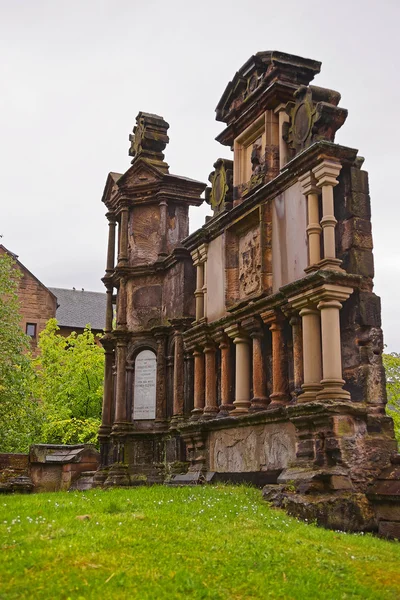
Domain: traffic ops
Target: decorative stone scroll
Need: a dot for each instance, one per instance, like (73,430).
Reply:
(144,392)
(313,116)
(219,196)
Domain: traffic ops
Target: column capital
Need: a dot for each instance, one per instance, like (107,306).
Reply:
(180,325)
(123,204)
(237,333)
(326,172)
(160,333)
(253,326)
(203,249)
(221,338)
(112,219)
(270,317)
(195,257)
(327,291)
(308,184)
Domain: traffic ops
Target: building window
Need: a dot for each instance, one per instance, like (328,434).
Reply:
(31,330)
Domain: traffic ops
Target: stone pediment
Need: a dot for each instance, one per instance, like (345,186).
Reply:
(141,174)
(257,74)
(111,187)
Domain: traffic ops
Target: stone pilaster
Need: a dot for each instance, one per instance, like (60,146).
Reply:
(242,368)
(163,229)
(123,236)
(111,243)
(121,304)
(283,117)
(178,405)
(109,309)
(120,401)
(295,323)
(199,383)
(211,408)
(161,378)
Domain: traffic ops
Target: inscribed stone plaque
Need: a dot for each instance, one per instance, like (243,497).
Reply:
(144,392)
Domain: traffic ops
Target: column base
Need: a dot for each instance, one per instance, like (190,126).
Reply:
(210,412)
(310,391)
(224,411)
(196,414)
(332,390)
(278,399)
(259,403)
(104,431)
(332,264)
(100,477)
(241,406)
(160,424)
(117,476)
(121,427)
(176,420)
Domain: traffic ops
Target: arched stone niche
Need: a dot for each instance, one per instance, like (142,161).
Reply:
(144,386)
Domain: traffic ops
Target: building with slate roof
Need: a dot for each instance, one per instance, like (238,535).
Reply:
(78,308)
(73,309)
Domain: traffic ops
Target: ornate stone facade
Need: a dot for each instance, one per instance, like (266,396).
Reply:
(262,327)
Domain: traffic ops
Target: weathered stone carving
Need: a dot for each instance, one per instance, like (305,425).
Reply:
(149,138)
(219,196)
(314,116)
(263,322)
(249,262)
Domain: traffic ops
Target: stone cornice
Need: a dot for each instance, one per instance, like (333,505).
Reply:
(300,164)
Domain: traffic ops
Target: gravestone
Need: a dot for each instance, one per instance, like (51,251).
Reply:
(144,406)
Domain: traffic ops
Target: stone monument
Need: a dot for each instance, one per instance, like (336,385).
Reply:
(251,349)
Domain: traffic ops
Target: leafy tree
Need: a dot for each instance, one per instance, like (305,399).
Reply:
(69,385)
(20,415)
(391,363)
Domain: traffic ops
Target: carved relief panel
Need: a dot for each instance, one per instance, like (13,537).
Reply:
(248,257)
(249,262)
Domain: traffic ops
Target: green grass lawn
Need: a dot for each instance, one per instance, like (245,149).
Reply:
(200,542)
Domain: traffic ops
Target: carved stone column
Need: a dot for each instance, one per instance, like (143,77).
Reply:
(163,229)
(199,295)
(283,150)
(111,243)
(108,389)
(123,236)
(225,348)
(280,393)
(260,400)
(161,378)
(199,381)
(242,368)
(312,363)
(121,305)
(211,408)
(326,173)
(203,249)
(314,229)
(295,323)
(109,309)
(332,376)
(178,406)
(120,406)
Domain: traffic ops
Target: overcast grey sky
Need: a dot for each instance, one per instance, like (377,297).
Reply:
(75,74)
